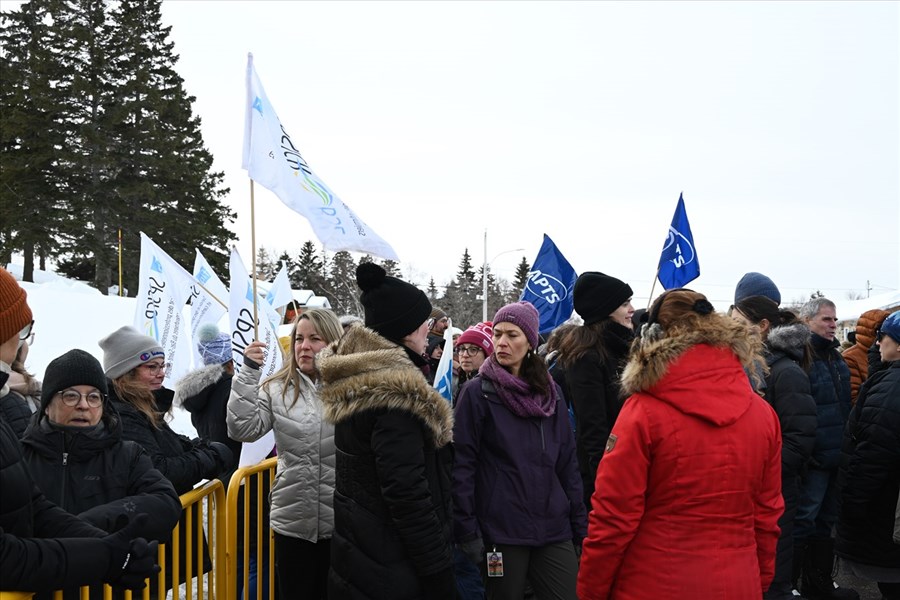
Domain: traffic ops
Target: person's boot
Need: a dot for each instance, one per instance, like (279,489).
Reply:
(797,567)
(816,581)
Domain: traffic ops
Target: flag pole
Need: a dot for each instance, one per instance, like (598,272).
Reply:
(652,287)
(120,262)
(253,260)
(211,295)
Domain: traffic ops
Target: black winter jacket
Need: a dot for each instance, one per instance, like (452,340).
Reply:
(92,472)
(829,381)
(870,473)
(204,393)
(15,412)
(592,386)
(42,547)
(786,388)
(392,536)
(788,391)
(183,461)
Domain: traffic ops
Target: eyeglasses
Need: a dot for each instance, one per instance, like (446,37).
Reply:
(26,332)
(73,397)
(468,350)
(878,335)
(155,368)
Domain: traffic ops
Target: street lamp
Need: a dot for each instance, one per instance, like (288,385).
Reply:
(484,275)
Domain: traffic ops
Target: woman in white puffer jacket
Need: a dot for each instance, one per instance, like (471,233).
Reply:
(302,514)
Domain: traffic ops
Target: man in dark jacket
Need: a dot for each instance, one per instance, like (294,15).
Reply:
(42,547)
(77,456)
(829,380)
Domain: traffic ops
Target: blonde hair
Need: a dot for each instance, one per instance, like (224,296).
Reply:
(131,390)
(327,325)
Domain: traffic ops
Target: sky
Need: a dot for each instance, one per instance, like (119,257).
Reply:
(440,123)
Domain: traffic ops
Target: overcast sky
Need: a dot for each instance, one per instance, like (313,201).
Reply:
(435,121)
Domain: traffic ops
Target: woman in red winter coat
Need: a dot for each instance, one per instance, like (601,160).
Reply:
(689,490)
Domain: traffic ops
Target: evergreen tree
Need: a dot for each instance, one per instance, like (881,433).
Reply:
(266,268)
(392,268)
(31,180)
(341,285)
(127,151)
(465,274)
(289,264)
(521,280)
(432,291)
(309,269)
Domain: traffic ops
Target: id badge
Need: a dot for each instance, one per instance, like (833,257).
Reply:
(494,564)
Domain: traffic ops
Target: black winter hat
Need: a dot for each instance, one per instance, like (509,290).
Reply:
(596,296)
(75,367)
(393,307)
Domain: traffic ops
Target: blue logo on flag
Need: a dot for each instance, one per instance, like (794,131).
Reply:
(678,263)
(203,276)
(249,293)
(549,286)
(155,265)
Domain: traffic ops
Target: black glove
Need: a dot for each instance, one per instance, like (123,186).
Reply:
(474,551)
(223,455)
(131,559)
(577,544)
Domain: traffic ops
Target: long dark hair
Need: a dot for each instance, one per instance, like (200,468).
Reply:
(757,308)
(533,371)
(581,340)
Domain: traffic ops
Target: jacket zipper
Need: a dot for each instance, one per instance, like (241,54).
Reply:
(543,442)
(65,461)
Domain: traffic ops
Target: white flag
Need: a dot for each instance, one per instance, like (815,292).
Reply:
(163,290)
(240,317)
(206,301)
(443,376)
(280,294)
(272,160)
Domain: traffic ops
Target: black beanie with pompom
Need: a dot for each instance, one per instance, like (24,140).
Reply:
(393,307)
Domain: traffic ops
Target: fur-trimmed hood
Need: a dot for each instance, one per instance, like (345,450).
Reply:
(364,371)
(189,391)
(698,371)
(787,340)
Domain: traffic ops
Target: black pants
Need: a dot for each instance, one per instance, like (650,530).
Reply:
(301,568)
(551,570)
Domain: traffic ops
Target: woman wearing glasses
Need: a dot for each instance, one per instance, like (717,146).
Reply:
(14,408)
(135,365)
(77,456)
(472,348)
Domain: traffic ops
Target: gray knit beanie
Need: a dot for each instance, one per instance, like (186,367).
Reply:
(126,348)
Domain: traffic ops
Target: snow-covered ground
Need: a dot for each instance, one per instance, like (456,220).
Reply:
(71,314)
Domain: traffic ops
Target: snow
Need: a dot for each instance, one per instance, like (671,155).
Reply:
(71,314)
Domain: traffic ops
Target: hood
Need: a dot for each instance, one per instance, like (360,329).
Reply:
(194,390)
(868,322)
(699,372)
(364,371)
(788,340)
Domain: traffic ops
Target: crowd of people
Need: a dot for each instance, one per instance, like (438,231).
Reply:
(676,452)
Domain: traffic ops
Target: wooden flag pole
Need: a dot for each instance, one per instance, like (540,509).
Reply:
(120,262)
(652,287)
(253,260)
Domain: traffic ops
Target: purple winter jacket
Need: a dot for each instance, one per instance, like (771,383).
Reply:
(515,480)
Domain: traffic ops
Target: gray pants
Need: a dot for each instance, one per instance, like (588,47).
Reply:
(552,571)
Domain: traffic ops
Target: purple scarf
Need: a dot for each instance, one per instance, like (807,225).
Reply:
(517,395)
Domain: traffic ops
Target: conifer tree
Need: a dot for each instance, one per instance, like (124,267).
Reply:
(309,268)
(521,279)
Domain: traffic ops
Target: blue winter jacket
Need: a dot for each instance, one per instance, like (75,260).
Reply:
(515,479)
(829,381)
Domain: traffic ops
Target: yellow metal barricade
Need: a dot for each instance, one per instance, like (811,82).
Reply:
(256,481)
(204,519)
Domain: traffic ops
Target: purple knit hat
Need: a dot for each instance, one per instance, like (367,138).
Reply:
(525,316)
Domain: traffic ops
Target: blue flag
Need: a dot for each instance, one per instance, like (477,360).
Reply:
(443,375)
(549,286)
(678,262)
